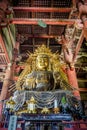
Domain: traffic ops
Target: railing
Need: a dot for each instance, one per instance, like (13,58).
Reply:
(76,125)
(40,121)
(70,125)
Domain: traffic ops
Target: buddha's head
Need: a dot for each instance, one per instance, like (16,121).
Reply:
(42,62)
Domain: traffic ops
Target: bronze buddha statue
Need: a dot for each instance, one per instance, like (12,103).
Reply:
(43,71)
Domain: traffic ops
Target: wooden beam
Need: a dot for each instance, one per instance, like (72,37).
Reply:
(46,21)
(40,36)
(83,89)
(82,80)
(41,9)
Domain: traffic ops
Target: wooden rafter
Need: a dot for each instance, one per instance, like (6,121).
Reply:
(3,65)
(83,89)
(2,54)
(47,21)
(74,3)
(40,36)
(4,49)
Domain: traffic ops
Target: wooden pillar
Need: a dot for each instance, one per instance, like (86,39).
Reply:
(6,83)
(71,74)
(70,69)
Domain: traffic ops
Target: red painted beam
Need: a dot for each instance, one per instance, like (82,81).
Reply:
(2,54)
(46,21)
(41,9)
(83,89)
(78,46)
(3,65)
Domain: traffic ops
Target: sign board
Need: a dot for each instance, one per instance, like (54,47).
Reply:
(12,123)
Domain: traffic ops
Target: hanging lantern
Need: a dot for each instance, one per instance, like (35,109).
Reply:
(10,104)
(31,105)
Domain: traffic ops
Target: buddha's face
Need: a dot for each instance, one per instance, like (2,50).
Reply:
(42,62)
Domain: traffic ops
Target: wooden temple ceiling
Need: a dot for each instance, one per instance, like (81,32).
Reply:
(44,22)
